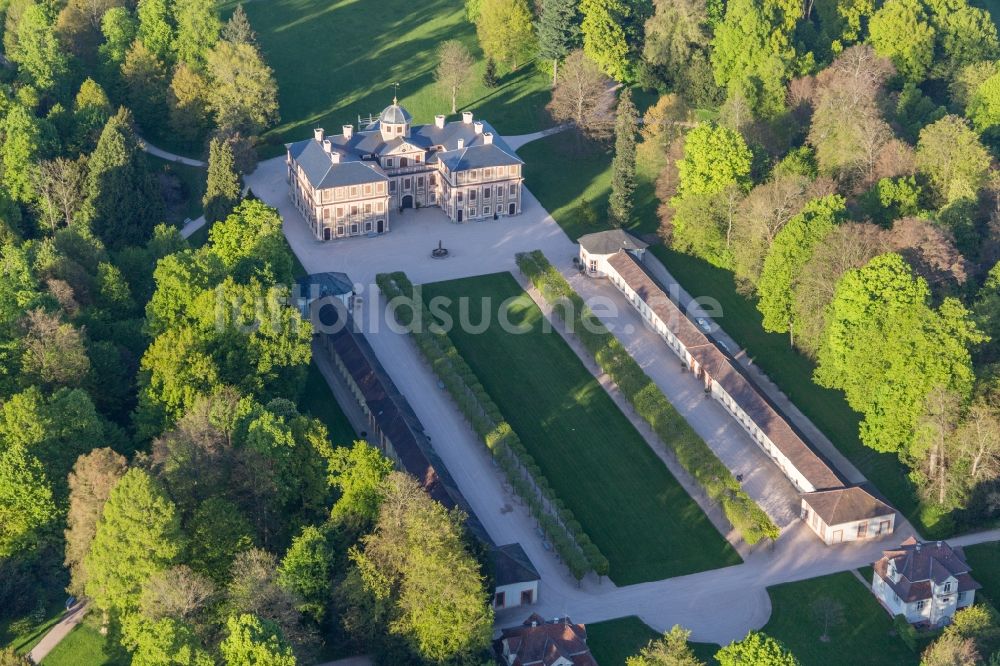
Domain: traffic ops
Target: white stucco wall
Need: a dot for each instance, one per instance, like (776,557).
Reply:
(512,593)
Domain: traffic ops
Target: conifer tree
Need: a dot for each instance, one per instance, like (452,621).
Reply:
(123,202)
(222,192)
(558,30)
(623,165)
(490,74)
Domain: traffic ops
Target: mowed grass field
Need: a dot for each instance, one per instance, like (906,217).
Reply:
(84,646)
(622,494)
(865,636)
(984,559)
(613,641)
(336,60)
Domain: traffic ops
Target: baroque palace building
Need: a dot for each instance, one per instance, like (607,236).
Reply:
(347,184)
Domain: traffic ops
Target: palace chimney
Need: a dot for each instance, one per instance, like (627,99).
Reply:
(318,134)
(488,138)
(461,144)
(327,146)
(335,157)
(467,117)
(439,121)
(479,127)
(348,131)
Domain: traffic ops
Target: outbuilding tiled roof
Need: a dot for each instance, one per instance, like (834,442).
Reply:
(845,505)
(922,565)
(541,643)
(610,241)
(728,375)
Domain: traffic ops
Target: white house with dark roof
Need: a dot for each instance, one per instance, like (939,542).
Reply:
(348,184)
(924,582)
(835,511)
(516,577)
(597,248)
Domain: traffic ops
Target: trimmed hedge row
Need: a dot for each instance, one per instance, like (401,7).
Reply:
(525,476)
(649,402)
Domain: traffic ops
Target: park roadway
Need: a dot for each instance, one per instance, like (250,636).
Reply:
(717,605)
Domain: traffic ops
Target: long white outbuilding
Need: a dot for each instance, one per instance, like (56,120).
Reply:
(836,511)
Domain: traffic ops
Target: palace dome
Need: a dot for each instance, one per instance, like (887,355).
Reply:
(394,114)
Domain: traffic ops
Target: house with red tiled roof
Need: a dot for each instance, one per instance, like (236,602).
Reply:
(924,582)
(537,642)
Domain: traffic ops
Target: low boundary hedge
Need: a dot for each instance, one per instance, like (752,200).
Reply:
(648,400)
(557,522)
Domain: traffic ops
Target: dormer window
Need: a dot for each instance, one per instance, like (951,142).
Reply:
(947,587)
(389,162)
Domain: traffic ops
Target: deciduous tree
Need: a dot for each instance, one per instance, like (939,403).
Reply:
(198,28)
(888,349)
(251,641)
(793,247)
(715,158)
(243,93)
(359,472)
(137,536)
(37,51)
(505,30)
(671,650)
(90,484)
(752,52)
(60,186)
(758,649)
(416,558)
(306,571)
(454,69)
(238,30)
(156,28)
(612,35)
(953,158)
(901,31)
(583,96)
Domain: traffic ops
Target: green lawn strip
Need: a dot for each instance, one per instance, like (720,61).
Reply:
(619,490)
(613,641)
(23,633)
(649,402)
(83,646)
(984,559)
(863,637)
(326,79)
(792,372)
(317,400)
(562,177)
(554,518)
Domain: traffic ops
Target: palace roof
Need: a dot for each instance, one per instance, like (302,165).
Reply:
(479,149)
